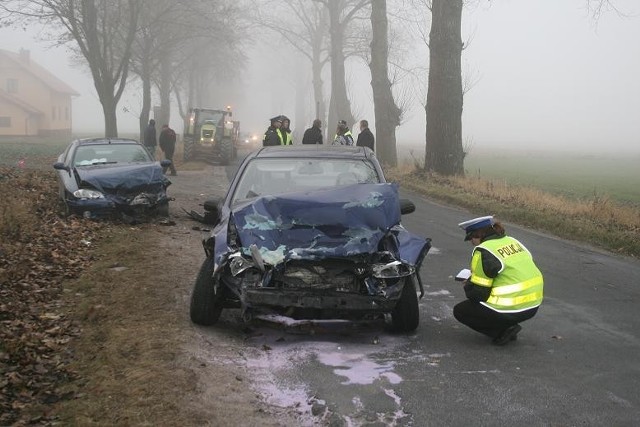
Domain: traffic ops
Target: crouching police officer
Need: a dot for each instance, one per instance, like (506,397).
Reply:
(505,287)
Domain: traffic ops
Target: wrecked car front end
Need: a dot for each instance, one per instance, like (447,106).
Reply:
(335,253)
(134,190)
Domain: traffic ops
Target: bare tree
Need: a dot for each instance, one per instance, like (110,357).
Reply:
(209,53)
(148,49)
(103,31)
(303,25)
(444,152)
(386,111)
(341,13)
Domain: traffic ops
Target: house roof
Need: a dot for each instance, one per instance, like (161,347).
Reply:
(40,73)
(19,102)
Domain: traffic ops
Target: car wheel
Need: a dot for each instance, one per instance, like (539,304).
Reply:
(163,210)
(206,303)
(406,314)
(63,209)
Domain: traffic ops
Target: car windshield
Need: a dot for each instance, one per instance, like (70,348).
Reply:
(278,176)
(94,154)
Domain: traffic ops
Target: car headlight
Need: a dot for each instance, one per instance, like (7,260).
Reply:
(84,193)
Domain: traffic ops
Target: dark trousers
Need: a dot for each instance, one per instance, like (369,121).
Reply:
(168,154)
(486,321)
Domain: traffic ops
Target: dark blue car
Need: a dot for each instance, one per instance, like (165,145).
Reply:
(102,177)
(311,232)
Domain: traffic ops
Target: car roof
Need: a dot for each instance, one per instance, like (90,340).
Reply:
(102,141)
(313,151)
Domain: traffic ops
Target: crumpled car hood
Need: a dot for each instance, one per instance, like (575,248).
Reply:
(127,178)
(340,222)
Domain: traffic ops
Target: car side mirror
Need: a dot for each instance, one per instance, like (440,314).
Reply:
(165,163)
(212,211)
(406,206)
(60,166)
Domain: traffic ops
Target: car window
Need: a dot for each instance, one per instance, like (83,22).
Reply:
(278,176)
(87,155)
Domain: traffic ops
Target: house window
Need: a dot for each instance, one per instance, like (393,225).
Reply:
(12,85)
(5,122)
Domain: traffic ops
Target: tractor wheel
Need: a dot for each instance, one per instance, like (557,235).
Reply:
(406,314)
(226,151)
(188,151)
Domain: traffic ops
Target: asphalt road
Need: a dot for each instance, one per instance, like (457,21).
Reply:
(575,363)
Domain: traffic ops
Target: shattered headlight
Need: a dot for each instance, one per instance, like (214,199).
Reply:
(142,199)
(84,193)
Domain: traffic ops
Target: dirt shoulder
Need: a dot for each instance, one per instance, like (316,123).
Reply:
(140,359)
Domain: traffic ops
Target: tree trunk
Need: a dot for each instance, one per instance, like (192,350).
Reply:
(165,90)
(339,105)
(444,153)
(319,107)
(386,111)
(110,120)
(146,96)
(300,110)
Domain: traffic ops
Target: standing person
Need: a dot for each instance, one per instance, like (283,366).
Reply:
(343,134)
(365,137)
(287,138)
(273,135)
(168,146)
(505,286)
(150,137)
(313,135)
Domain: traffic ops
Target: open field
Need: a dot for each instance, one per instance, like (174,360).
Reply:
(577,176)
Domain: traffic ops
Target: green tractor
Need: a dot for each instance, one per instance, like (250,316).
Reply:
(210,135)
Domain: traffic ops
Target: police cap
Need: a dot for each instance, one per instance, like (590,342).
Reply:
(475,224)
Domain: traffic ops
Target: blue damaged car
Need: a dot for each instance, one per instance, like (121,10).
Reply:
(101,177)
(310,232)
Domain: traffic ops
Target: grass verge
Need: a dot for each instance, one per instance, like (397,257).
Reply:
(597,220)
(127,352)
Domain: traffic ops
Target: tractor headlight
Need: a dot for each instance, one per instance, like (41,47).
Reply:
(84,193)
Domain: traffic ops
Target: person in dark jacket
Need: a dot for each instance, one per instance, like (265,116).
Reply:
(273,135)
(150,140)
(313,135)
(168,146)
(365,137)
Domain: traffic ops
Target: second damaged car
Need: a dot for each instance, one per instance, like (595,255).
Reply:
(101,177)
(311,232)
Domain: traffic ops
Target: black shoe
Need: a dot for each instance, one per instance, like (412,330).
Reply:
(509,334)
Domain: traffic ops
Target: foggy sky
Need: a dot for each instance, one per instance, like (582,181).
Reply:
(545,76)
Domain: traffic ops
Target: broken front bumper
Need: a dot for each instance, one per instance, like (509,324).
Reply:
(331,301)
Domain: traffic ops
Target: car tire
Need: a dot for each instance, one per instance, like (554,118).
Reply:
(206,304)
(63,209)
(163,210)
(406,314)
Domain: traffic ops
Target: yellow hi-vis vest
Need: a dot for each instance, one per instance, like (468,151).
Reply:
(518,285)
(286,138)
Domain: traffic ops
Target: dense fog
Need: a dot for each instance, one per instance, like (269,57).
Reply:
(541,74)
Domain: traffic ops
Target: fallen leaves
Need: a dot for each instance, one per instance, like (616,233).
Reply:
(39,252)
